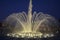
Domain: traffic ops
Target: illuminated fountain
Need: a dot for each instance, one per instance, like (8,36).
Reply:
(31,25)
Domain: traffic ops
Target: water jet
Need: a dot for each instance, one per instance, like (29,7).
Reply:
(31,25)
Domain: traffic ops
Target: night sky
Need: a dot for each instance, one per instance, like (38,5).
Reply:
(8,7)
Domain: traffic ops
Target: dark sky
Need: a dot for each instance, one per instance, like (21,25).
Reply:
(8,7)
